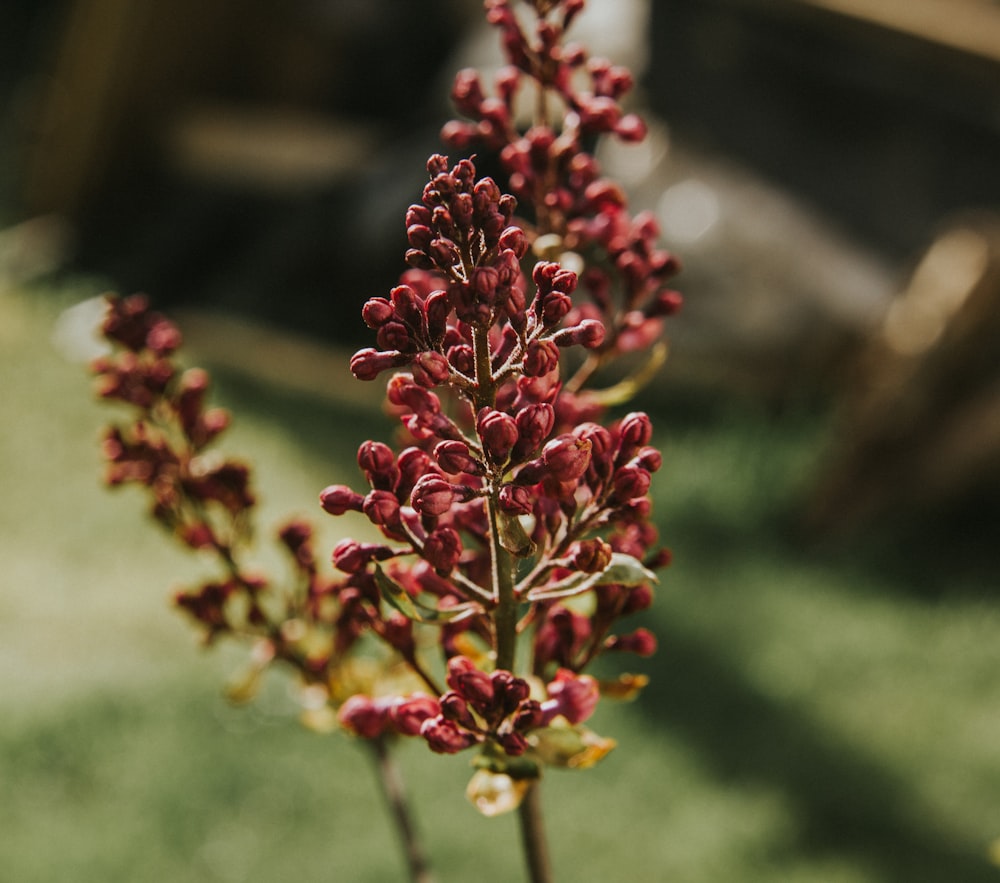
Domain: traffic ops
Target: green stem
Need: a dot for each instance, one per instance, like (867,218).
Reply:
(536,852)
(505,615)
(394,793)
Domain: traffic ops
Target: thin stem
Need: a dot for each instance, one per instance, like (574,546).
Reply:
(505,615)
(394,792)
(536,852)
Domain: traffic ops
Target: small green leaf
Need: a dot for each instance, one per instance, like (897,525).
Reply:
(397,597)
(626,389)
(625,570)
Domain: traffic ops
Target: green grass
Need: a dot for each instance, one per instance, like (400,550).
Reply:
(817,714)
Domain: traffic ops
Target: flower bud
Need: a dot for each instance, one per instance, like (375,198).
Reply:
(430,369)
(540,357)
(573,696)
(437,306)
(515,500)
(589,333)
(498,432)
(642,642)
(470,683)
(382,508)
(368,363)
(513,743)
(534,425)
(445,737)
(338,499)
(566,458)
(636,431)
(442,550)
(555,307)
(630,483)
(455,708)
(376,312)
(376,458)
(514,239)
(666,303)
(592,556)
(433,495)
(408,715)
(631,128)
(407,306)
(363,716)
(454,458)
(350,556)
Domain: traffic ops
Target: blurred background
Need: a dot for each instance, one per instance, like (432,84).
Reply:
(826,702)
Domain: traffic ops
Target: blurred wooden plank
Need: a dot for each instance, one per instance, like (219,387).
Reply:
(969,26)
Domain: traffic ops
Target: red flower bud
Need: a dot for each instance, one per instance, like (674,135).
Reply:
(442,550)
(455,708)
(454,458)
(363,716)
(433,495)
(377,462)
(368,363)
(470,683)
(631,482)
(515,500)
(376,312)
(555,308)
(636,431)
(350,556)
(430,368)
(566,458)
(338,499)
(498,432)
(445,737)
(382,508)
(408,715)
(573,696)
(589,333)
(534,425)
(642,642)
(540,357)
(631,128)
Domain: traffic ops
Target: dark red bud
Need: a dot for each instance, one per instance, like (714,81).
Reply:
(445,737)
(589,333)
(430,368)
(382,508)
(368,363)
(408,715)
(454,458)
(432,495)
(642,642)
(363,716)
(442,550)
(566,458)
(515,500)
(631,482)
(498,432)
(338,499)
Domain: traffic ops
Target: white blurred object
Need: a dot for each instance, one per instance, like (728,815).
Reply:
(688,211)
(76,331)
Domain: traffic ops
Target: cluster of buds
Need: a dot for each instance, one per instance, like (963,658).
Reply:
(309,621)
(507,497)
(571,208)
(494,709)
(514,514)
